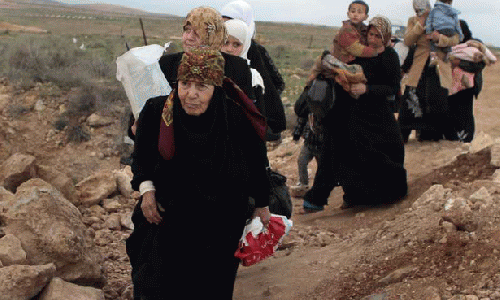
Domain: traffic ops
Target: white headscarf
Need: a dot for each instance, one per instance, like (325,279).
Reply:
(240,10)
(239,30)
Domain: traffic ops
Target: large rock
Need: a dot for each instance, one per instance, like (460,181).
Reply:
(96,188)
(59,289)
(11,251)
(24,282)
(17,169)
(59,180)
(51,230)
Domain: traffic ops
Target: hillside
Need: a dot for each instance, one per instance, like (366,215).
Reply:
(106,9)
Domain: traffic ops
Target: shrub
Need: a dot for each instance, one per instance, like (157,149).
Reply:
(78,134)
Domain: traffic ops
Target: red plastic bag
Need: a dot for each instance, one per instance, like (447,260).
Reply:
(257,243)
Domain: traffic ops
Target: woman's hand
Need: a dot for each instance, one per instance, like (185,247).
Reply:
(264,215)
(434,36)
(134,127)
(149,208)
(358,89)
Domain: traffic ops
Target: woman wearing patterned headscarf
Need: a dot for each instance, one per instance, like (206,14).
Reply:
(203,27)
(198,158)
(363,151)
(261,61)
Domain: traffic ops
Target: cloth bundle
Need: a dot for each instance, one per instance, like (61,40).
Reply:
(258,243)
(473,51)
(344,74)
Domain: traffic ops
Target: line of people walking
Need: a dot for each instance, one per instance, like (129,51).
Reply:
(200,152)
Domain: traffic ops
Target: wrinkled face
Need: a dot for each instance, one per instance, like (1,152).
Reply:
(374,38)
(195,96)
(233,46)
(190,38)
(357,13)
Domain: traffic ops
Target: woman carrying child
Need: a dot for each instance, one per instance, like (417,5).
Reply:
(362,147)
(425,106)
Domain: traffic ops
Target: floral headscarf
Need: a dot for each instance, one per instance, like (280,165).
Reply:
(383,26)
(202,65)
(209,25)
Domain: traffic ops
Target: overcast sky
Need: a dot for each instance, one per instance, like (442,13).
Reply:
(483,16)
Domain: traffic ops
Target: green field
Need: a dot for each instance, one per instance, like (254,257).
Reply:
(54,57)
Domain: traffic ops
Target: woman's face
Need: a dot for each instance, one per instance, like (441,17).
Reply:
(233,46)
(190,38)
(375,38)
(195,96)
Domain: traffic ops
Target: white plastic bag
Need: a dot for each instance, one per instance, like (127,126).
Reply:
(140,74)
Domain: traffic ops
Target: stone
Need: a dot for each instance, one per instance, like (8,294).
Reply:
(482,196)
(95,188)
(4,101)
(51,230)
(398,275)
(17,169)
(480,141)
(5,195)
(24,281)
(59,180)
(495,154)
(123,178)
(435,195)
(39,106)
(11,251)
(59,289)
(111,205)
(113,222)
(95,120)
(460,214)
(126,221)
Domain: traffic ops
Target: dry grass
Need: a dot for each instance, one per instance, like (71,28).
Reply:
(293,47)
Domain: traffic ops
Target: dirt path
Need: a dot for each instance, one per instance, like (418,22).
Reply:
(329,242)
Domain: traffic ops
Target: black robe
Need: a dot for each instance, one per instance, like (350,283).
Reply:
(219,162)
(271,105)
(363,151)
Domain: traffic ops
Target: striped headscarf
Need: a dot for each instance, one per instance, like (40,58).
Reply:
(383,26)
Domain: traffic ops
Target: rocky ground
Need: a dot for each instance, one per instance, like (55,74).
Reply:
(441,242)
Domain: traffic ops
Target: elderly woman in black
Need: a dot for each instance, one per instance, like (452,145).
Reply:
(202,27)
(199,155)
(363,150)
